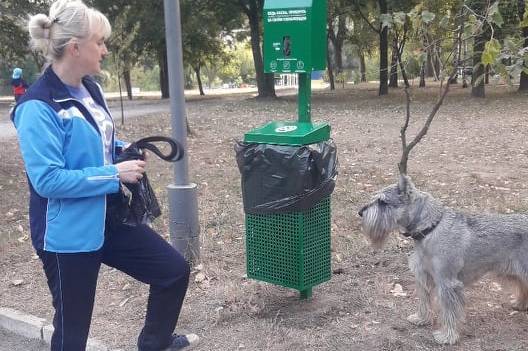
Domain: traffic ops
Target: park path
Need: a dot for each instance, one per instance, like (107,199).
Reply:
(148,103)
(131,109)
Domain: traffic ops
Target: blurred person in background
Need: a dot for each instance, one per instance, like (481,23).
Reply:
(18,84)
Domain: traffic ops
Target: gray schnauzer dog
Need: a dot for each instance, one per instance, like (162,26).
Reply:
(452,250)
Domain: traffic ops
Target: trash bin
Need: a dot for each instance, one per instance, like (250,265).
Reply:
(288,169)
(288,172)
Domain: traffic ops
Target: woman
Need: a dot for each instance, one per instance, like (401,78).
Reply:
(18,84)
(67,141)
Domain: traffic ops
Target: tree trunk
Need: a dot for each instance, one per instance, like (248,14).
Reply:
(404,74)
(330,64)
(422,76)
(436,65)
(128,83)
(384,53)
(269,86)
(477,79)
(487,74)
(164,74)
(197,70)
(429,68)
(458,59)
(265,82)
(393,82)
(400,48)
(523,82)
(338,44)
(464,76)
(362,67)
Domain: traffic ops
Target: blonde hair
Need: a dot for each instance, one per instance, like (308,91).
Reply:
(67,20)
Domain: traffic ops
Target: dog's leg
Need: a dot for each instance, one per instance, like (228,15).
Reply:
(451,301)
(520,302)
(424,284)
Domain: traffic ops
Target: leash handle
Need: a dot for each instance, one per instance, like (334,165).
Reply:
(174,155)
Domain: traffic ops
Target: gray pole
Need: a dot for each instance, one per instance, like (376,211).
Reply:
(183,206)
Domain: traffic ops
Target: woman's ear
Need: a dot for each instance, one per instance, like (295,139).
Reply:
(72,48)
(76,49)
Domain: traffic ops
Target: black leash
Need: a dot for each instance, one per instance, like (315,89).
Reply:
(140,206)
(131,152)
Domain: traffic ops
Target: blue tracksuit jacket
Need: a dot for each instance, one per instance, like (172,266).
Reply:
(63,155)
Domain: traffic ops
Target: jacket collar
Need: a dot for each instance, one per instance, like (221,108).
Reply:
(58,90)
(50,89)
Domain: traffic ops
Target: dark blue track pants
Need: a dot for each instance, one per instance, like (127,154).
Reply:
(137,251)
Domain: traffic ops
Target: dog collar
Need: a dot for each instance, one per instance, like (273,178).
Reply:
(421,234)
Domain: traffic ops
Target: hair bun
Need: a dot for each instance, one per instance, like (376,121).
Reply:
(39,26)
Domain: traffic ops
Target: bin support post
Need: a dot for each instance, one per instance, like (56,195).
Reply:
(304,99)
(306,294)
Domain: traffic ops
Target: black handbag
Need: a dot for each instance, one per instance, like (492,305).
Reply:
(136,204)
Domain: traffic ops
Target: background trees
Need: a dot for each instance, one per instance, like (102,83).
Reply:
(403,38)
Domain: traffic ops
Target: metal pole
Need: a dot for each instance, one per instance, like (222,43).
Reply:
(183,205)
(304,98)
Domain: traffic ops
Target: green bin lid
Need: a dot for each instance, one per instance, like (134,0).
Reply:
(289,133)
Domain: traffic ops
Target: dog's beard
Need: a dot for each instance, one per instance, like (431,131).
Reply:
(377,223)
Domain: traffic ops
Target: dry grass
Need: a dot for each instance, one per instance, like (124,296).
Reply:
(474,158)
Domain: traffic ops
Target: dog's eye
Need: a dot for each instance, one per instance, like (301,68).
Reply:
(381,202)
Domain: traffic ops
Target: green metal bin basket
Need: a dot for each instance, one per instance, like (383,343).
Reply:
(290,249)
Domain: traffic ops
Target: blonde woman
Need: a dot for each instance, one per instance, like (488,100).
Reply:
(68,145)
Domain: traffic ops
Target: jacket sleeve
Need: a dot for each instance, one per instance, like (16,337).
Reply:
(41,139)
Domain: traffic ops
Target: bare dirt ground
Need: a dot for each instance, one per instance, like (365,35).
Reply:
(474,158)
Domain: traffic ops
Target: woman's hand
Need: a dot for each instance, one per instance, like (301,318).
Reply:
(130,171)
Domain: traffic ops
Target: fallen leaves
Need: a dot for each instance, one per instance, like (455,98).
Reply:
(17,282)
(397,291)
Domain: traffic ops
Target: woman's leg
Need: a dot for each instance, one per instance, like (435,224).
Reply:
(143,254)
(72,280)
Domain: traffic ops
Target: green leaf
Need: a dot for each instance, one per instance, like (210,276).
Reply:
(524,22)
(444,22)
(491,51)
(399,18)
(427,16)
(494,15)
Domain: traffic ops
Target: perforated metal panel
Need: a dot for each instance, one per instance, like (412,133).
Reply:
(291,249)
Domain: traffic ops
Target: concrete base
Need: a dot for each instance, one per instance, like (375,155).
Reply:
(32,327)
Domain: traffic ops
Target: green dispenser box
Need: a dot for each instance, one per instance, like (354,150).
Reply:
(294,36)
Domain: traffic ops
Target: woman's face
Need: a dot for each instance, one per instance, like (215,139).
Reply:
(92,51)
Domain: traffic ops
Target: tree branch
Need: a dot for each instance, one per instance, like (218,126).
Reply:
(406,148)
(366,19)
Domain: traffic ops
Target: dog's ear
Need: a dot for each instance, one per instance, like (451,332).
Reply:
(405,185)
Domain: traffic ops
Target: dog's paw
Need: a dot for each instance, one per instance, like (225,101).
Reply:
(418,320)
(444,337)
(519,305)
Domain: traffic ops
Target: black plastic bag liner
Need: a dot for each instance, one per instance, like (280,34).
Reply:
(136,203)
(284,178)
